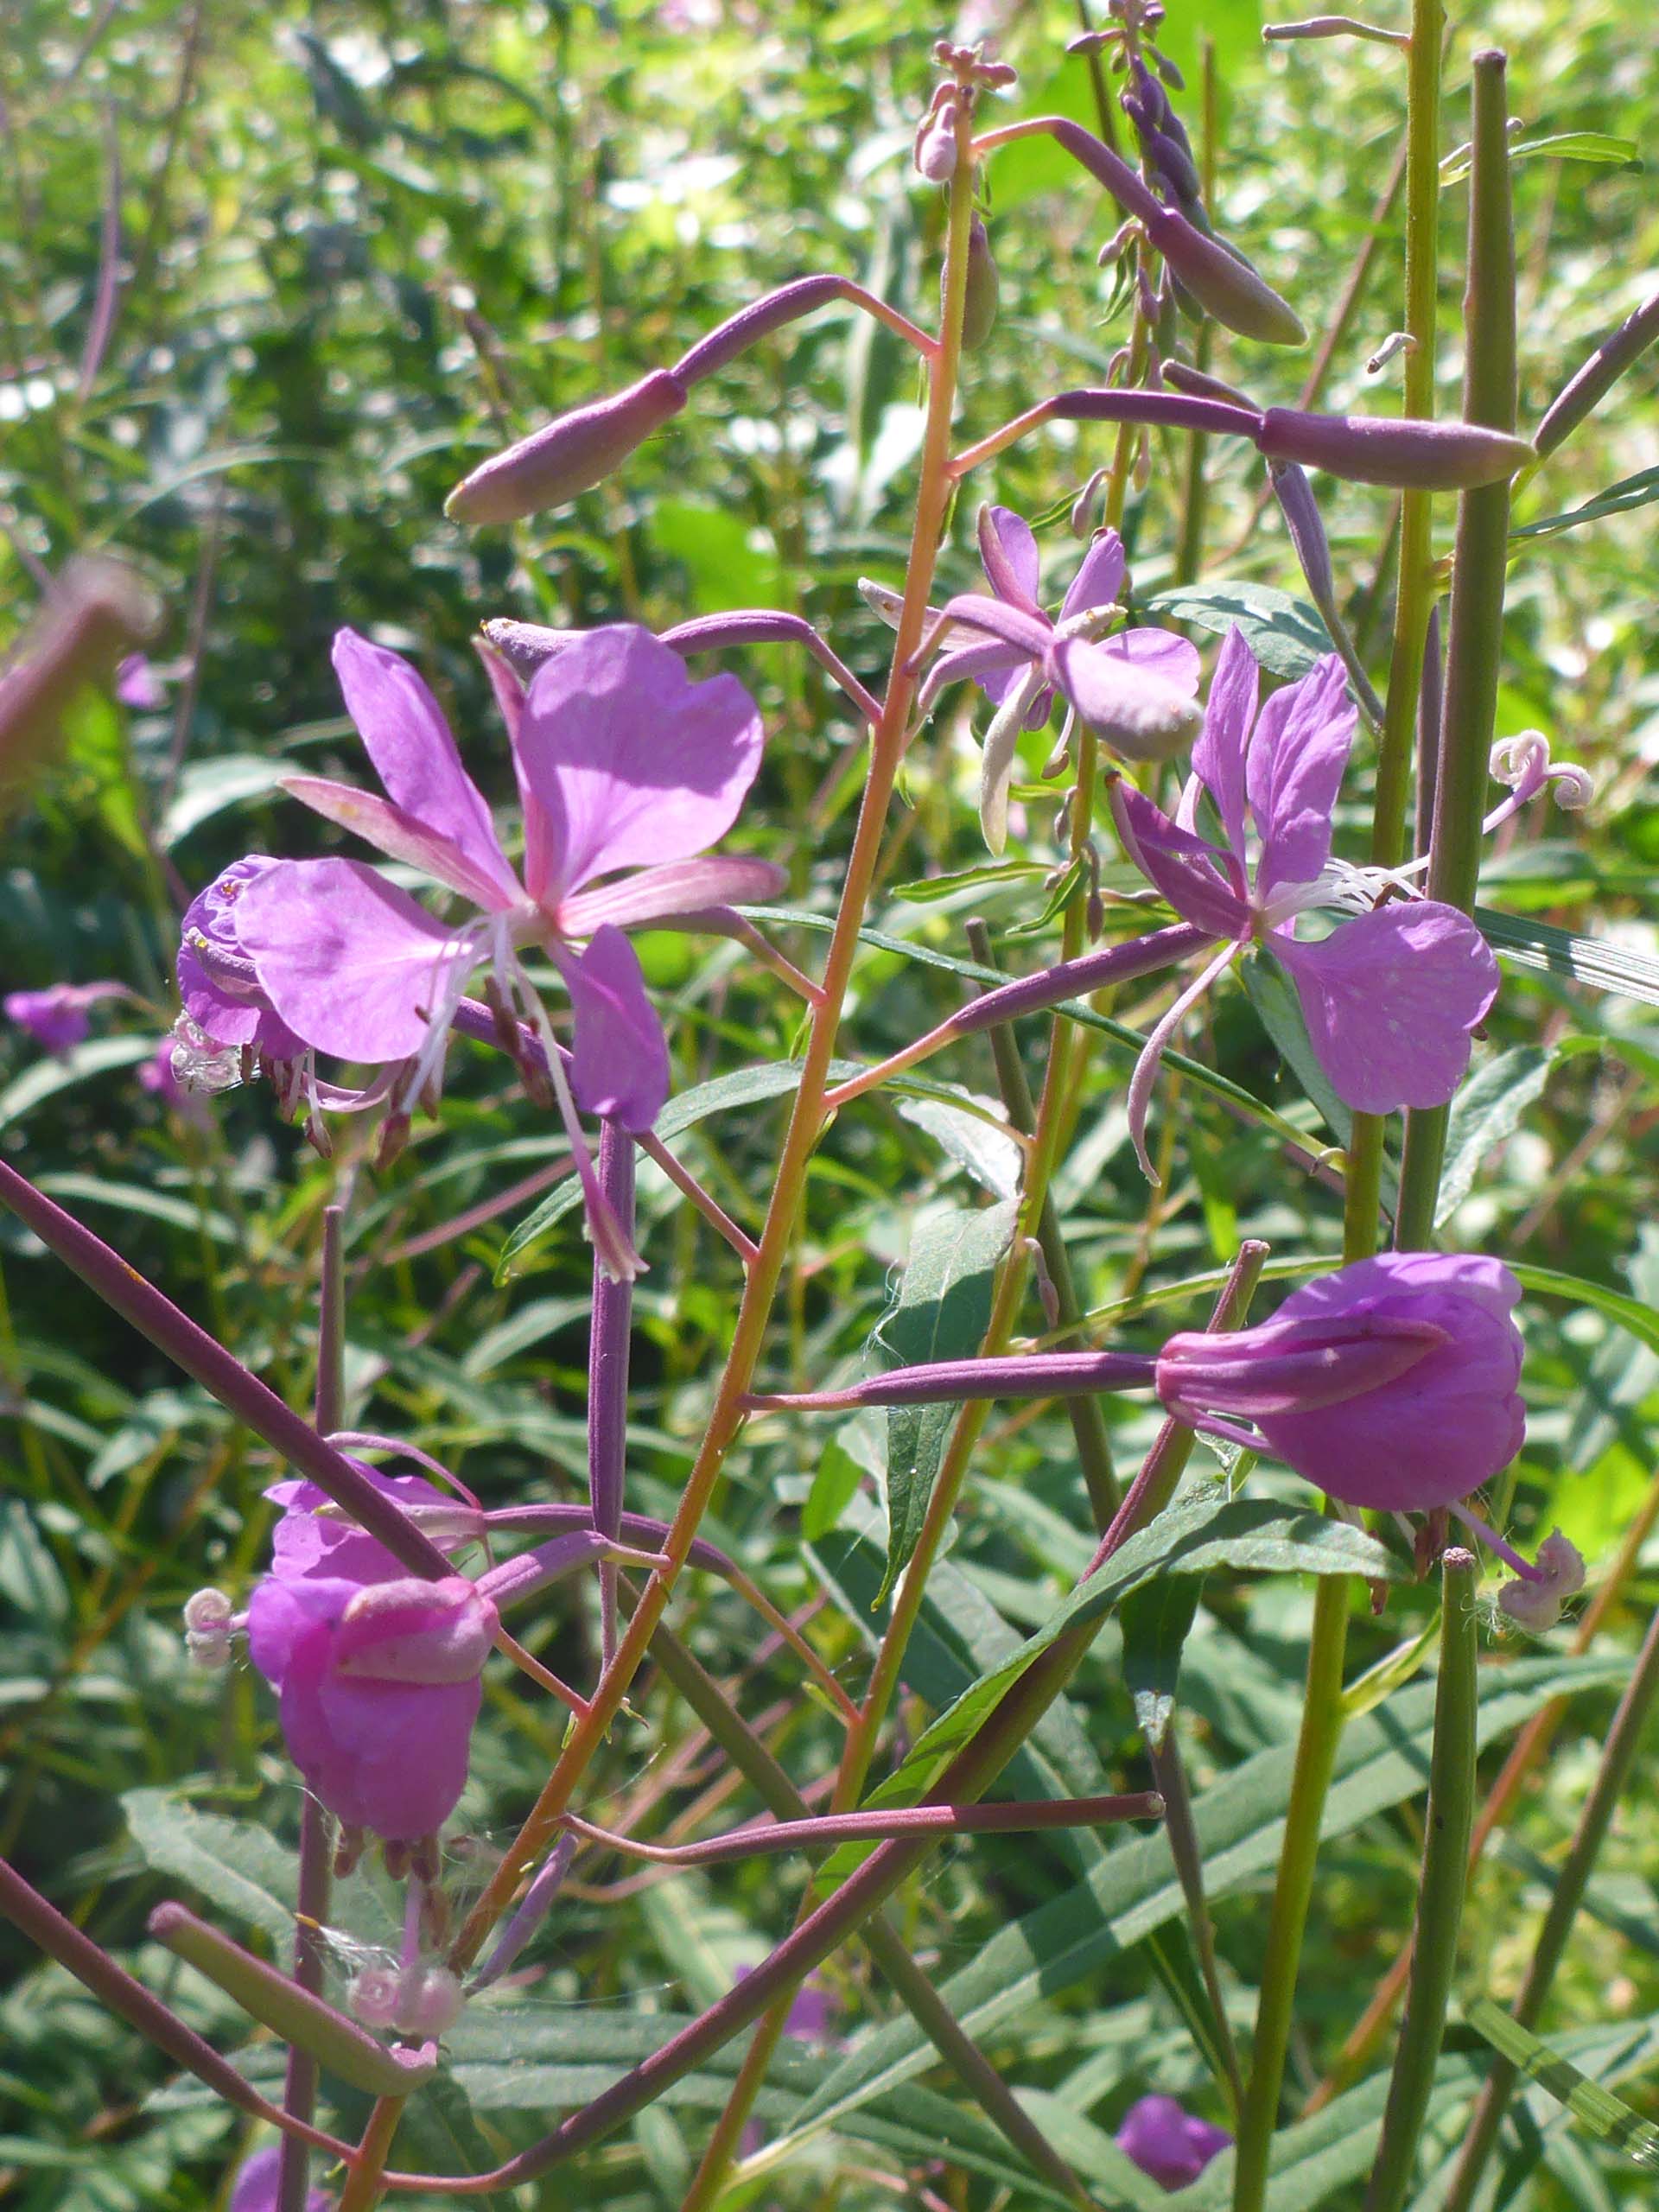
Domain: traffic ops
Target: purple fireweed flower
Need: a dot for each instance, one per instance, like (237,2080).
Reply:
(136,683)
(56,1018)
(378,1671)
(256,2184)
(1137,690)
(1390,1383)
(1169,2144)
(1391,998)
(379,1684)
(624,763)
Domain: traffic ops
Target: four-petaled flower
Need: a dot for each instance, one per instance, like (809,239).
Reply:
(1137,689)
(623,762)
(1392,997)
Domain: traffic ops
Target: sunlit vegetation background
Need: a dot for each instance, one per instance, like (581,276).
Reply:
(360,246)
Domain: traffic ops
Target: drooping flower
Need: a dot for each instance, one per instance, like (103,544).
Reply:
(257,2182)
(378,1671)
(624,763)
(1391,998)
(1171,2144)
(379,1685)
(56,1018)
(1137,689)
(1390,1383)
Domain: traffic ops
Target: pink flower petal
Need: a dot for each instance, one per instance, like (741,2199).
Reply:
(1030,634)
(1218,756)
(400,837)
(348,960)
(1007,552)
(1293,772)
(619,1067)
(403,727)
(1390,999)
(1160,653)
(631,762)
(1138,712)
(1446,1425)
(1191,873)
(1099,579)
(659,894)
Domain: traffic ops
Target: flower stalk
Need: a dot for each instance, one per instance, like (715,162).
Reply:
(1447,1825)
(1480,566)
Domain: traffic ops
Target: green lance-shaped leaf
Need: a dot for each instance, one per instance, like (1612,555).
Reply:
(1605,2115)
(943,1309)
(349,2052)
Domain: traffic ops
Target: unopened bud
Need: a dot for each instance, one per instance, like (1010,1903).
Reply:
(568,456)
(429,2002)
(979,306)
(1224,284)
(1443,456)
(935,150)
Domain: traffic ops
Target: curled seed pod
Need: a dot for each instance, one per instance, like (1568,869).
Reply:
(208,1609)
(373,1996)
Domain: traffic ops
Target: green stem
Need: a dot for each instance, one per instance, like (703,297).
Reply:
(1440,1904)
(1623,1738)
(1088,1420)
(932,501)
(908,1980)
(1414,596)
(1475,636)
(1316,1752)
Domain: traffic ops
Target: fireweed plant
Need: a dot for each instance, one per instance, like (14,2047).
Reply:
(1388,1383)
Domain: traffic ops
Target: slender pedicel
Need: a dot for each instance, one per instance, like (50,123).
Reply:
(527,644)
(577,450)
(1585,390)
(1223,283)
(1069,979)
(1005,1819)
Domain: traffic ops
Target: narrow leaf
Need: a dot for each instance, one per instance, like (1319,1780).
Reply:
(942,1309)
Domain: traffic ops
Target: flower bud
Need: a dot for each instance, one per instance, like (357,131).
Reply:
(1223,284)
(936,144)
(566,456)
(1404,455)
(979,306)
(429,2002)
